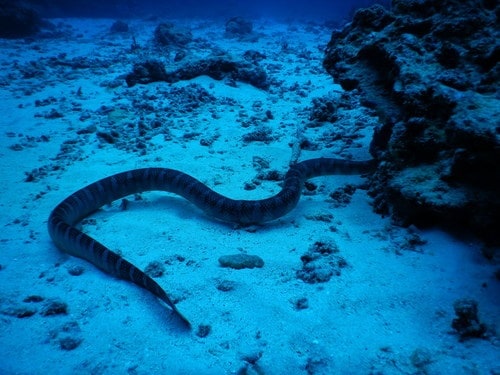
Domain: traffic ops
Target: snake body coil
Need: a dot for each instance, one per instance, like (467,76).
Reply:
(70,211)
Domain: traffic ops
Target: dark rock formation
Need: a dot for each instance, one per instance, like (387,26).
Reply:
(147,72)
(216,68)
(238,26)
(119,27)
(430,68)
(168,35)
(323,109)
(467,322)
(17,21)
(253,56)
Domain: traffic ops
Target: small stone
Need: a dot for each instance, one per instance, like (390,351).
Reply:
(69,343)
(155,269)
(301,303)
(54,307)
(225,285)
(421,358)
(240,261)
(16,147)
(325,217)
(19,312)
(203,330)
(76,270)
(252,358)
(324,246)
(53,114)
(71,327)
(33,298)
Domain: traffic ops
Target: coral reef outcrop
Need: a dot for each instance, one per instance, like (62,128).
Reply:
(217,68)
(18,21)
(168,34)
(430,69)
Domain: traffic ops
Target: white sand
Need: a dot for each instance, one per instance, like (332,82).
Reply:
(389,312)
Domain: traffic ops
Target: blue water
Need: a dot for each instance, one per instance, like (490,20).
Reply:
(319,9)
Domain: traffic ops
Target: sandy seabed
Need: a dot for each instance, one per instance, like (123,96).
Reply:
(387,307)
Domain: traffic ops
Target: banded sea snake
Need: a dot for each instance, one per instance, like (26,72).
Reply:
(70,211)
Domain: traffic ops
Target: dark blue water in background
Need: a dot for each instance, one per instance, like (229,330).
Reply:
(279,9)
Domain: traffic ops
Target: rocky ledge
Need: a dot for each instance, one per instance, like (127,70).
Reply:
(430,68)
